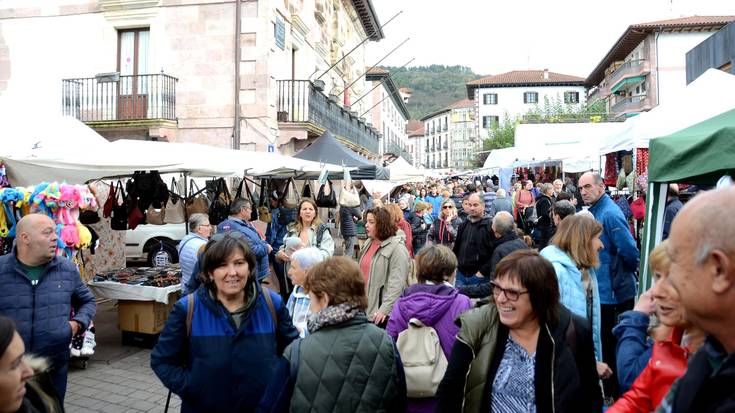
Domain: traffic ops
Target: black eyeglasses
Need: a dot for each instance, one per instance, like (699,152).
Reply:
(510,294)
(229,234)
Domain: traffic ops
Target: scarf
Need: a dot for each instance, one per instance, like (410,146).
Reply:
(333,315)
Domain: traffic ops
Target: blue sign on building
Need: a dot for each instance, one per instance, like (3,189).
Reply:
(280,33)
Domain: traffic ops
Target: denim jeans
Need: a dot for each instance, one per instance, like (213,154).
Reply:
(349,243)
(462,280)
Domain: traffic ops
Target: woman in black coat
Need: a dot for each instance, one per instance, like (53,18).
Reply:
(544,225)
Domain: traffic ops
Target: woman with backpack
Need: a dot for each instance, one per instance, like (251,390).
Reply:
(435,304)
(345,364)
(222,343)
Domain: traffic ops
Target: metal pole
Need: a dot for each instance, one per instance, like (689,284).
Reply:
(372,67)
(236,129)
(381,82)
(355,48)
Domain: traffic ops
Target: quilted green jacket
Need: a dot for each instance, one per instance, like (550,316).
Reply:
(350,367)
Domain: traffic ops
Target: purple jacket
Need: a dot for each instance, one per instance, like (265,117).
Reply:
(435,305)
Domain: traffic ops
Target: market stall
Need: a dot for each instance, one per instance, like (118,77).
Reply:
(327,149)
(699,154)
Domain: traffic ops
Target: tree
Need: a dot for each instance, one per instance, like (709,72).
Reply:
(500,135)
(555,111)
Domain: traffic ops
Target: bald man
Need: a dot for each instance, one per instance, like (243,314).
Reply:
(37,289)
(702,252)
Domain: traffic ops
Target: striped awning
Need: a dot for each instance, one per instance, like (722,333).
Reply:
(627,81)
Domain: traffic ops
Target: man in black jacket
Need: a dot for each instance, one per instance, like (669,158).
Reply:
(504,228)
(474,244)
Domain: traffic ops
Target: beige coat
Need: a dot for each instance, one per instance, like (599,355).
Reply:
(388,272)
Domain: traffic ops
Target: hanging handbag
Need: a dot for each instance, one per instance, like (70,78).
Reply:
(290,195)
(264,211)
(155,216)
(174,208)
(119,209)
(306,191)
(135,215)
(219,209)
(197,201)
(348,196)
(326,198)
(107,207)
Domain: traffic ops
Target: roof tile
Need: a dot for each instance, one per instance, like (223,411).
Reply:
(524,77)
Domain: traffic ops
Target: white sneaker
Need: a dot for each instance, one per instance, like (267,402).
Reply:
(89,344)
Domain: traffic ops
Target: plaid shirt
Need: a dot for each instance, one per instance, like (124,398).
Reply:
(298,307)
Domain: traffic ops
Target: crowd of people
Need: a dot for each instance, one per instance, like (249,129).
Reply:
(457,297)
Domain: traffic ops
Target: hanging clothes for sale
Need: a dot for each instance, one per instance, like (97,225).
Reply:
(641,161)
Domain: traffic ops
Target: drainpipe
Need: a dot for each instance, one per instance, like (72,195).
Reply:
(236,129)
(658,72)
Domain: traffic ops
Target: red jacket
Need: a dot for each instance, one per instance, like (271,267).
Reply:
(668,362)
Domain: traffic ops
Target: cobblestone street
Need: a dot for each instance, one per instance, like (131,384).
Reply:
(126,385)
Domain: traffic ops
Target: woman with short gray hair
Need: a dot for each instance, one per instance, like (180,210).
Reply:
(298,303)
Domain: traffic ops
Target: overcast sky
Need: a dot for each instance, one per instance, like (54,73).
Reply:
(496,36)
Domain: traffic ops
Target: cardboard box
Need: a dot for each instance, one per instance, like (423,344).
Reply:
(147,317)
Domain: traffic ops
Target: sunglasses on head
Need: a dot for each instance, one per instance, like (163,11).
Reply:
(229,234)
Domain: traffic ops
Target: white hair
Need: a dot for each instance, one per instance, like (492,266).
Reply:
(308,257)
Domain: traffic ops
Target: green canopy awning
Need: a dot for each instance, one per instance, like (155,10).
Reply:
(701,153)
(627,81)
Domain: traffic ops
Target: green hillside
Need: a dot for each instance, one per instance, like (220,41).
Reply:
(434,87)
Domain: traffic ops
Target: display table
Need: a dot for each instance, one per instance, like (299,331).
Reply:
(118,291)
(145,297)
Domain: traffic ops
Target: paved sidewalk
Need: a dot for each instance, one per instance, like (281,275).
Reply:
(125,385)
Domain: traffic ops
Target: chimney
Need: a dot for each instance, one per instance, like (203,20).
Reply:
(546,74)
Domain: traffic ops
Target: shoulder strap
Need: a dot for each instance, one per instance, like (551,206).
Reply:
(271,307)
(189,313)
(320,234)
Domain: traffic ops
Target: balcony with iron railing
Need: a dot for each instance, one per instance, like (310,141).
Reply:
(629,69)
(397,150)
(112,99)
(301,102)
(631,105)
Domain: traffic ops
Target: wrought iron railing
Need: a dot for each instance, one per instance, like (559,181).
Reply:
(299,101)
(630,68)
(112,97)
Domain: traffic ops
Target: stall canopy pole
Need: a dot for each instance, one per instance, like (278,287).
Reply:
(652,231)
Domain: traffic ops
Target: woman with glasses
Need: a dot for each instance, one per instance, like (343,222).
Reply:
(443,231)
(384,262)
(524,352)
(221,343)
(309,230)
(574,253)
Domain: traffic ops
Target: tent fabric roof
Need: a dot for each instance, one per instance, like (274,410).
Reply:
(327,149)
(701,153)
(402,171)
(711,93)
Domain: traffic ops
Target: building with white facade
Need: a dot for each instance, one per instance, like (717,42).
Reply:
(450,136)
(647,64)
(513,94)
(388,114)
(239,74)
(416,144)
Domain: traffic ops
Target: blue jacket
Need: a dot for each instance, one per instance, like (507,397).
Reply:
(188,249)
(436,204)
(219,368)
(257,244)
(571,291)
(42,312)
(634,347)
(489,198)
(619,260)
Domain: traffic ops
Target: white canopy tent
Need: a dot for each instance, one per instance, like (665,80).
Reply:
(54,134)
(574,145)
(500,158)
(402,171)
(709,95)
